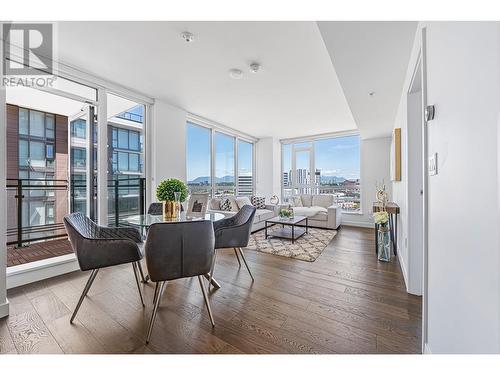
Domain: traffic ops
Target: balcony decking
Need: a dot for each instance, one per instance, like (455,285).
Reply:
(37,251)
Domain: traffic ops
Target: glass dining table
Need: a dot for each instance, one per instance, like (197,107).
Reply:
(145,221)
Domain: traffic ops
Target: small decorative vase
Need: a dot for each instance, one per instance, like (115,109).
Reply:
(384,243)
(170,210)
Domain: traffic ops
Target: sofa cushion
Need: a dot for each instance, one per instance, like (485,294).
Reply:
(306,200)
(215,204)
(243,201)
(309,211)
(263,214)
(322,200)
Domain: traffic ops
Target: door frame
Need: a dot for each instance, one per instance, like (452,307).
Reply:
(295,182)
(425,192)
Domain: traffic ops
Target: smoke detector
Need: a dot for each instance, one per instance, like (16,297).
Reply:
(187,36)
(255,67)
(236,74)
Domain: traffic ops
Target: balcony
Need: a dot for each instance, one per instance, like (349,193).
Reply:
(36,208)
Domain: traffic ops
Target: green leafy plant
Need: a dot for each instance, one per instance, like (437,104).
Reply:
(166,189)
(285,213)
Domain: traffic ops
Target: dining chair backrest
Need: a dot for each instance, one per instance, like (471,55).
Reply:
(97,247)
(177,250)
(155,208)
(235,231)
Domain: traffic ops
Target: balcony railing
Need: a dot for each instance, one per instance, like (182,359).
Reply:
(36,207)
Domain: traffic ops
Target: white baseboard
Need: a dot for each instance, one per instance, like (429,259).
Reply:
(427,349)
(402,265)
(4,309)
(40,270)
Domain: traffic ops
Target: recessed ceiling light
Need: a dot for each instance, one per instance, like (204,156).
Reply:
(187,36)
(255,67)
(236,74)
(371,93)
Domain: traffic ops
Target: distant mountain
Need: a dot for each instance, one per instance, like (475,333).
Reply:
(332,179)
(205,180)
(200,180)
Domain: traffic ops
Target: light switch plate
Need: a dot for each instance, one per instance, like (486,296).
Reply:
(433,167)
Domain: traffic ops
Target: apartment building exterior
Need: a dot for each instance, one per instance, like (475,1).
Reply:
(49,159)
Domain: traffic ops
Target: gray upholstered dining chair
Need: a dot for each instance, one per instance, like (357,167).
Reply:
(97,247)
(234,232)
(178,250)
(155,208)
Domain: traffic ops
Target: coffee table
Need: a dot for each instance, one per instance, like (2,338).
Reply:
(292,228)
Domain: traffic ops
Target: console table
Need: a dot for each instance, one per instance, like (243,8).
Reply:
(393,211)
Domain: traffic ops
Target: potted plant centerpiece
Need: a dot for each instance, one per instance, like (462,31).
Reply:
(166,193)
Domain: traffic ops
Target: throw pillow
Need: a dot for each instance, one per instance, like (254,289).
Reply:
(215,203)
(243,201)
(296,202)
(259,202)
(225,205)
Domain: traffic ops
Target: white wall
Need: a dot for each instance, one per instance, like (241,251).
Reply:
(268,166)
(168,154)
(463,238)
(375,167)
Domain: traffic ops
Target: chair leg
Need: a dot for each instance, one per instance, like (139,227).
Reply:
(144,279)
(84,293)
(136,274)
(155,296)
(207,303)
(155,310)
(158,294)
(212,271)
(237,257)
(245,261)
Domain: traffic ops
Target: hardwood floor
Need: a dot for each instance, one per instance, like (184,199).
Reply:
(344,302)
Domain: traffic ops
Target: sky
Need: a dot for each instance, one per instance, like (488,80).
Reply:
(334,156)
(198,154)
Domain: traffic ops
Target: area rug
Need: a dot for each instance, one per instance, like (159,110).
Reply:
(308,247)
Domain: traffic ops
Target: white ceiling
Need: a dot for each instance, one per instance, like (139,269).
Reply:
(296,93)
(315,78)
(370,57)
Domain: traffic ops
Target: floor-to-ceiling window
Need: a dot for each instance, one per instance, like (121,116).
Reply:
(224,165)
(126,172)
(245,168)
(328,165)
(218,163)
(198,158)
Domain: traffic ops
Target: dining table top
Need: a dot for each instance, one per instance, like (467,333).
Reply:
(148,219)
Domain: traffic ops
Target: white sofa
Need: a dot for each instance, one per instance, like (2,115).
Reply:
(320,209)
(261,215)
